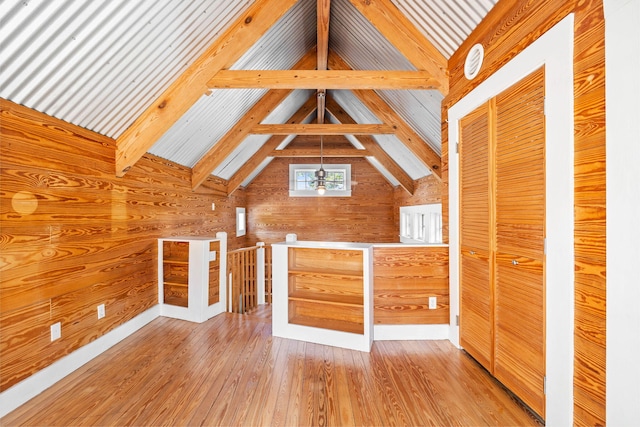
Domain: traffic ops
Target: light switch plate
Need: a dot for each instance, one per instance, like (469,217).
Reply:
(56,331)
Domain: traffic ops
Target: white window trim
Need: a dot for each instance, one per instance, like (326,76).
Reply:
(314,193)
(554,49)
(421,223)
(241,222)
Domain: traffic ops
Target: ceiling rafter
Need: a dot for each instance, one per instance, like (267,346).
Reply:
(327,151)
(192,84)
(250,165)
(403,131)
(373,147)
(234,137)
(328,79)
(397,28)
(325,129)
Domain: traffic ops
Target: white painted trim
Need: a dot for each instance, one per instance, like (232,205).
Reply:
(198,308)
(554,50)
(27,389)
(260,272)
(280,300)
(410,332)
(622,18)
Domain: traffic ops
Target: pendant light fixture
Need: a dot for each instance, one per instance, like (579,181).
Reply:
(321,174)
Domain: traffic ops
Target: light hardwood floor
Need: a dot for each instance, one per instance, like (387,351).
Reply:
(231,371)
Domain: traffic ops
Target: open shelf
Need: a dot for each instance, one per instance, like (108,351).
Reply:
(179,281)
(332,272)
(322,293)
(176,300)
(333,324)
(176,260)
(326,289)
(332,299)
(191,282)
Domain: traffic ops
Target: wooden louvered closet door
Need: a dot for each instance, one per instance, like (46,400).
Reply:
(502,217)
(476,315)
(519,353)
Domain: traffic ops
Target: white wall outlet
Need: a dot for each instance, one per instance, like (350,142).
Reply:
(56,331)
(213,206)
(433,303)
(101,312)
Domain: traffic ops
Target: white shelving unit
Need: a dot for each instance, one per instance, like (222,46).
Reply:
(192,277)
(322,293)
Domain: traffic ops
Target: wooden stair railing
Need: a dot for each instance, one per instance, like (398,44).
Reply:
(249,272)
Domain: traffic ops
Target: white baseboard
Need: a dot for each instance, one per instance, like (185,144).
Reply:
(27,389)
(410,332)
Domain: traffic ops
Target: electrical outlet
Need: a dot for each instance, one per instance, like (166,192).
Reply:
(56,331)
(213,206)
(101,312)
(433,303)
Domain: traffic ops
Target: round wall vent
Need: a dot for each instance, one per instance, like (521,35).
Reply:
(474,61)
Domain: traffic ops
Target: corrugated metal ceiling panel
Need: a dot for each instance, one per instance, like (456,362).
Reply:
(206,122)
(359,43)
(363,47)
(391,144)
(421,110)
(253,142)
(213,116)
(100,64)
(445,23)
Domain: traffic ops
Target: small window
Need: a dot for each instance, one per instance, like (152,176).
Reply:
(241,222)
(421,224)
(302,180)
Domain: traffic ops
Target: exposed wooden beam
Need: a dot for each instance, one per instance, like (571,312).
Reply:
(328,79)
(328,139)
(234,137)
(395,26)
(192,84)
(323,13)
(321,94)
(385,113)
(326,129)
(249,166)
(373,147)
(315,152)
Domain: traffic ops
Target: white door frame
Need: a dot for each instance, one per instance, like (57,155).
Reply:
(554,50)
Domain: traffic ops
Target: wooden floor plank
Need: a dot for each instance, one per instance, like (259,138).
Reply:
(341,390)
(290,393)
(231,371)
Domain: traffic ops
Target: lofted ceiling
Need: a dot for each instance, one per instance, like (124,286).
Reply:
(224,86)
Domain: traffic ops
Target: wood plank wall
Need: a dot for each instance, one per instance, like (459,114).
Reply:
(509,28)
(404,278)
(73,235)
(366,216)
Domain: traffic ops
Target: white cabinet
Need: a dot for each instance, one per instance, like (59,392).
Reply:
(192,277)
(322,293)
